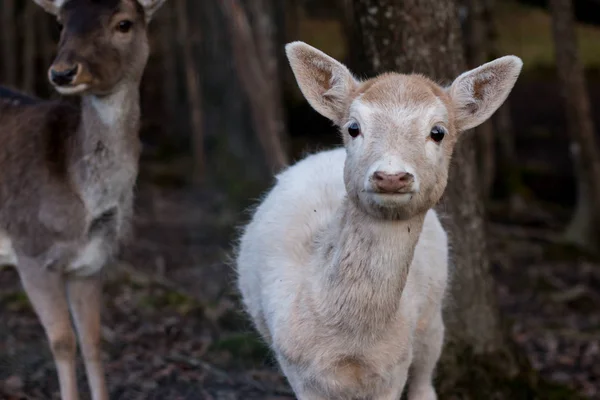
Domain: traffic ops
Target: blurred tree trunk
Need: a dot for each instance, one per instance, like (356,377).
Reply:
(477,52)
(508,175)
(45,40)
(168,47)
(29,47)
(187,36)
(584,229)
(9,42)
(253,31)
(424,36)
(237,141)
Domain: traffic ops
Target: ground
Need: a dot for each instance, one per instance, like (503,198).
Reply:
(173,330)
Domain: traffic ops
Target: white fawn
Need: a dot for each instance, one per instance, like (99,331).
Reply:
(67,175)
(344,266)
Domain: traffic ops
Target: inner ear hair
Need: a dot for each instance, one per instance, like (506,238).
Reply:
(478,93)
(51,6)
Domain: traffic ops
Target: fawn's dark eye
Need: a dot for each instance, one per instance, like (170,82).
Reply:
(354,130)
(124,26)
(437,133)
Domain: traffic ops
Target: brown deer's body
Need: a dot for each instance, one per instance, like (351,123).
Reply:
(68,174)
(67,183)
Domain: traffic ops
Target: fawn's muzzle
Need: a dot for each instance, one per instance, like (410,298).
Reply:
(393,183)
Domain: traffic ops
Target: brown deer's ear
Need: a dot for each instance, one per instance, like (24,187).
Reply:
(478,93)
(324,82)
(51,6)
(150,7)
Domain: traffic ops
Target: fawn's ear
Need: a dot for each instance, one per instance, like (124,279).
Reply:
(478,93)
(51,6)
(150,7)
(324,82)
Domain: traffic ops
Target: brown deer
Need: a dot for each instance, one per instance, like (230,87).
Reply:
(67,174)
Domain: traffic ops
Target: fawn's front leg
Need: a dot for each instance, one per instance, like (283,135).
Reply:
(427,353)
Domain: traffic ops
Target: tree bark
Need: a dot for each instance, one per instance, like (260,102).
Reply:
(186,38)
(423,36)
(29,47)
(168,40)
(9,37)
(256,62)
(584,229)
(477,46)
(508,175)
(235,153)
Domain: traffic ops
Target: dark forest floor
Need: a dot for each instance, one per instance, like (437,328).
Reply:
(172,329)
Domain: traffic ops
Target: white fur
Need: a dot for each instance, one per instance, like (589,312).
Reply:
(499,77)
(51,6)
(7,252)
(344,284)
(276,260)
(72,90)
(111,108)
(150,7)
(90,260)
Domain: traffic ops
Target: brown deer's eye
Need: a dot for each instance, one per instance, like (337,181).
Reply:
(354,130)
(124,26)
(437,133)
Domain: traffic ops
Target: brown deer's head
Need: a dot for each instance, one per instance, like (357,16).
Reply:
(102,43)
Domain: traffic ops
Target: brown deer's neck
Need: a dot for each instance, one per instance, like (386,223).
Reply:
(363,264)
(105,160)
(112,119)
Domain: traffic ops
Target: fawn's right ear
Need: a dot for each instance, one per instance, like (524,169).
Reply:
(324,82)
(51,6)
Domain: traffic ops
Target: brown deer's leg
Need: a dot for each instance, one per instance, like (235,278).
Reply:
(46,291)
(85,299)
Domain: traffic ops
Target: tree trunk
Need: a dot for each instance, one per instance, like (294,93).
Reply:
(187,36)
(8,38)
(508,175)
(256,62)
(479,360)
(30,47)
(477,47)
(236,157)
(168,40)
(584,229)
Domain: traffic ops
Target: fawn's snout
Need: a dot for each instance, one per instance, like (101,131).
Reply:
(400,182)
(63,74)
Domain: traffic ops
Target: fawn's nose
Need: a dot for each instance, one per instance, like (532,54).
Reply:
(64,74)
(393,183)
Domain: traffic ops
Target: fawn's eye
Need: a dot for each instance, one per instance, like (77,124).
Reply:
(354,130)
(437,133)
(124,26)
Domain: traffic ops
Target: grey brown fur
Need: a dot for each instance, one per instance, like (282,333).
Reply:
(68,174)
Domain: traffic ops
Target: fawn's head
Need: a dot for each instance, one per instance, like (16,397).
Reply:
(102,43)
(399,130)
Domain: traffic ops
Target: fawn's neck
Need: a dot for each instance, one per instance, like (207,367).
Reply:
(363,267)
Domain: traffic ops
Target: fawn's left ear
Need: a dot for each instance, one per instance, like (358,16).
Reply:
(478,93)
(150,7)
(325,82)
(51,6)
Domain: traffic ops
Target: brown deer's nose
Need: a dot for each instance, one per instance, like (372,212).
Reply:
(63,75)
(393,183)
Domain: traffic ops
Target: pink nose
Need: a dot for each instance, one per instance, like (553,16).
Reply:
(392,183)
